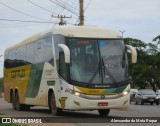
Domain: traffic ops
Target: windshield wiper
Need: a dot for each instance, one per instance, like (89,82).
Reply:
(99,69)
(109,73)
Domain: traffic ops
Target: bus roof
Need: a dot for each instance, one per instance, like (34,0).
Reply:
(73,31)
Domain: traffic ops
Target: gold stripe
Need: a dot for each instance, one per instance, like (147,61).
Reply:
(91,91)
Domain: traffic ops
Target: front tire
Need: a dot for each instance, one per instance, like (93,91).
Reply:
(53,108)
(104,112)
(141,102)
(157,103)
(136,102)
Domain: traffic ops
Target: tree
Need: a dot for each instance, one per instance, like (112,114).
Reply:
(157,39)
(135,70)
(147,69)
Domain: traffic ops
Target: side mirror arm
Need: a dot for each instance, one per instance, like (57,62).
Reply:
(66,52)
(133,53)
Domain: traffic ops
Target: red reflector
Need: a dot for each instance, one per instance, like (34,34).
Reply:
(103,104)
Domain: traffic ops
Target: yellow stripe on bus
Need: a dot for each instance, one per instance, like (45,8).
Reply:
(17,78)
(91,91)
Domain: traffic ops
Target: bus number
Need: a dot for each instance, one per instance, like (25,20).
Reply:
(18,73)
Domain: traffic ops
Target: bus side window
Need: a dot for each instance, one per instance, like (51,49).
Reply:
(30,53)
(62,66)
(48,50)
(38,51)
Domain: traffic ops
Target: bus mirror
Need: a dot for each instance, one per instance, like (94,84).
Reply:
(66,52)
(133,53)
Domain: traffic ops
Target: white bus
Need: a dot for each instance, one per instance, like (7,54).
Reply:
(69,68)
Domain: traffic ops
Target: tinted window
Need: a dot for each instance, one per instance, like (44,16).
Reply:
(30,53)
(47,50)
(23,52)
(62,69)
(148,92)
(38,54)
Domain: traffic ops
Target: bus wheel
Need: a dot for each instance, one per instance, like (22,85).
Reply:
(13,102)
(54,110)
(104,112)
(18,105)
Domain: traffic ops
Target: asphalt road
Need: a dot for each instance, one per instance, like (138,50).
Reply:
(84,117)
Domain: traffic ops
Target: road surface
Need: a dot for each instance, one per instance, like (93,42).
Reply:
(84,117)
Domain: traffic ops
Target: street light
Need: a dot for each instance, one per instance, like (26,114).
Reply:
(122,32)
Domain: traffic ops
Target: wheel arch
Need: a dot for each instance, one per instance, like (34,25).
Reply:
(16,91)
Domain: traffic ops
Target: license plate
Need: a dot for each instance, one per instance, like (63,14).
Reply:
(103,104)
(151,99)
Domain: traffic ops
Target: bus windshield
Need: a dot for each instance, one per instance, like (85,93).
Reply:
(97,61)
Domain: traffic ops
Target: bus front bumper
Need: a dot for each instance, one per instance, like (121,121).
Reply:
(78,103)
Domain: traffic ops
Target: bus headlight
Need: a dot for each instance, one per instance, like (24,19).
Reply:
(125,92)
(77,93)
(157,97)
(74,92)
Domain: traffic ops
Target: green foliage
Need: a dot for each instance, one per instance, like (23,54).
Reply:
(156,38)
(147,69)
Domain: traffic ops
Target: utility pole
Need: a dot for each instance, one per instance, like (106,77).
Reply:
(61,17)
(81,13)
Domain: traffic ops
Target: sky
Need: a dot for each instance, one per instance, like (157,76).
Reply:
(139,19)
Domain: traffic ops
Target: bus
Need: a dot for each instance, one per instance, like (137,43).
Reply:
(69,68)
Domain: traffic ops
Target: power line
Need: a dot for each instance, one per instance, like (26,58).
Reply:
(66,4)
(21,12)
(24,21)
(17,25)
(68,11)
(87,5)
(84,11)
(64,7)
(61,18)
(42,7)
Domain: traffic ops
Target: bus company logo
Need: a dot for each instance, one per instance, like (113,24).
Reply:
(6,120)
(102,96)
(18,73)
